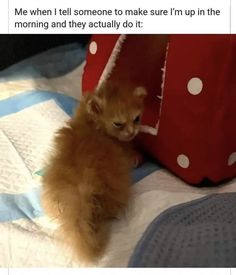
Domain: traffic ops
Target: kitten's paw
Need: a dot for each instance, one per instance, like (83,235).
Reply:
(138,160)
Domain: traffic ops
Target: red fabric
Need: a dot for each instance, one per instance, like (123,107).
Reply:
(95,63)
(200,127)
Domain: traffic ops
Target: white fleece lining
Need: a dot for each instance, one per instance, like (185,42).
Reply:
(162,86)
(112,60)
(154,130)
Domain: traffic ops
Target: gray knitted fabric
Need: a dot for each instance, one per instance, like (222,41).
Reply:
(201,233)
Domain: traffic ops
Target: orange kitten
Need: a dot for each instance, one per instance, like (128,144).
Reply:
(87,179)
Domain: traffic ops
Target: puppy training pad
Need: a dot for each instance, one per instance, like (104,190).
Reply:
(201,233)
(25,139)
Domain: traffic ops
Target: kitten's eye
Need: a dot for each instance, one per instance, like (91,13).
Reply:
(118,125)
(137,119)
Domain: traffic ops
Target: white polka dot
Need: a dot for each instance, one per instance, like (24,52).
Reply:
(195,86)
(93,47)
(183,161)
(232,159)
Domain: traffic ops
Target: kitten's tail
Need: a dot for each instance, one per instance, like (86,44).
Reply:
(83,224)
(84,228)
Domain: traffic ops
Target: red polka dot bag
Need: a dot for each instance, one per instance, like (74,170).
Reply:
(189,123)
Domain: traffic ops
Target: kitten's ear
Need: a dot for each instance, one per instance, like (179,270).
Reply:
(94,105)
(140,92)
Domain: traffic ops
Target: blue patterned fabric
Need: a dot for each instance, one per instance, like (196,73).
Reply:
(200,233)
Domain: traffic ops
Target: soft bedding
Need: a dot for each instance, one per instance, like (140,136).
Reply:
(37,96)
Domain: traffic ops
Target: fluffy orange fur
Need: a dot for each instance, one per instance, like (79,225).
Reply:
(88,176)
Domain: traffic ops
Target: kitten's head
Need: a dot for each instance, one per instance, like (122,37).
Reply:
(117,110)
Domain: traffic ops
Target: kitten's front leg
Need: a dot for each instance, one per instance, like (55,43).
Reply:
(136,157)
